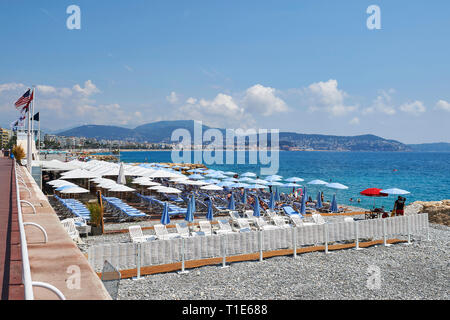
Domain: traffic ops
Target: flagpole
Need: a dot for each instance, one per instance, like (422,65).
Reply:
(33,142)
(29,138)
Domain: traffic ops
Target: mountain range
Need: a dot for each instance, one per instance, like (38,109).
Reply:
(161,131)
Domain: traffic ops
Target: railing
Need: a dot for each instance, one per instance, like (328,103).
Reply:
(161,252)
(26,271)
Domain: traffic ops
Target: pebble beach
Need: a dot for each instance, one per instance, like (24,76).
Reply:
(407,272)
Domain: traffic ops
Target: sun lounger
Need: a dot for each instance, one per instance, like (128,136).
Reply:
(137,236)
(69,226)
(280,222)
(299,222)
(262,224)
(183,230)
(224,227)
(163,234)
(244,225)
(288,210)
(205,227)
(318,219)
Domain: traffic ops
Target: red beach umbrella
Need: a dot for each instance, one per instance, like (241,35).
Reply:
(373,192)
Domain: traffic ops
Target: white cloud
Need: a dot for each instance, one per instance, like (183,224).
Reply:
(221,111)
(11,86)
(354,121)
(260,99)
(414,108)
(327,97)
(382,104)
(443,105)
(130,69)
(172,98)
(191,100)
(89,88)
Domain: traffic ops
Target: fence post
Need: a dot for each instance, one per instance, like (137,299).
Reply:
(357,235)
(408,223)
(385,233)
(260,245)
(183,247)
(428,228)
(224,251)
(138,261)
(325,230)
(294,239)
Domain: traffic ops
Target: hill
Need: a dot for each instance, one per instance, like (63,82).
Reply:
(161,131)
(430,147)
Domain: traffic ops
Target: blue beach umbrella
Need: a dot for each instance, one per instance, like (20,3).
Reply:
(334,205)
(319,201)
(231,203)
(192,203)
(190,211)
(303,204)
(272,201)
(256,208)
(244,197)
(277,196)
(209,213)
(165,219)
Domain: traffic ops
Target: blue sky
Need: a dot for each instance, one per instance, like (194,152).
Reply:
(303,66)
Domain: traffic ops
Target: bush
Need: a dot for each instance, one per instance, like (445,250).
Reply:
(18,153)
(96,215)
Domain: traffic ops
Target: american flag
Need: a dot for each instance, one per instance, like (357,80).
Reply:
(25,99)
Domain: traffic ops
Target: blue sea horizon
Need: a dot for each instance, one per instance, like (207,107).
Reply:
(425,174)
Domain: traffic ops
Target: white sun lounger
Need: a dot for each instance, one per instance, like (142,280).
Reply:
(69,225)
(137,236)
(280,222)
(224,227)
(163,234)
(263,225)
(184,232)
(244,225)
(318,219)
(298,221)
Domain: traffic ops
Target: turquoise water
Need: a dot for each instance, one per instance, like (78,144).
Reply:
(425,175)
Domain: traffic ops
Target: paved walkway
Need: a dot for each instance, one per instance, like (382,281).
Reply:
(11,287)
(58,262)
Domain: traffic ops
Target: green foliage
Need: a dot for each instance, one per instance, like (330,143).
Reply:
(96,215)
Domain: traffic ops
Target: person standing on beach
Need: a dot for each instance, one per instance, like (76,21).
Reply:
(399,206)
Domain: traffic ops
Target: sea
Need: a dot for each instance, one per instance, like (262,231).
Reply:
(426,175)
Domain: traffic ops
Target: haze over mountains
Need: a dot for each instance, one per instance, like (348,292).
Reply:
(161,131)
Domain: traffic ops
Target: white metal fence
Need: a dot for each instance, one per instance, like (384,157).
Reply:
(159,252)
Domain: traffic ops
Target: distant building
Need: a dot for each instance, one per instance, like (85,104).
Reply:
(5,135)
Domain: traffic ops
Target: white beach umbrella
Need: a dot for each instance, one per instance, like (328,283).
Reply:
(317,182)
(394,191)
(211,187)
(163,174)
(121,188)
(336,185)
(75,189)
(121,177)
(149,183)
(156,187)
(168,190)
(79,174)
(294,179)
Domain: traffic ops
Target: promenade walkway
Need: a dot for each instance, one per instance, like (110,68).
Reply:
(11,287)
(57,262)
